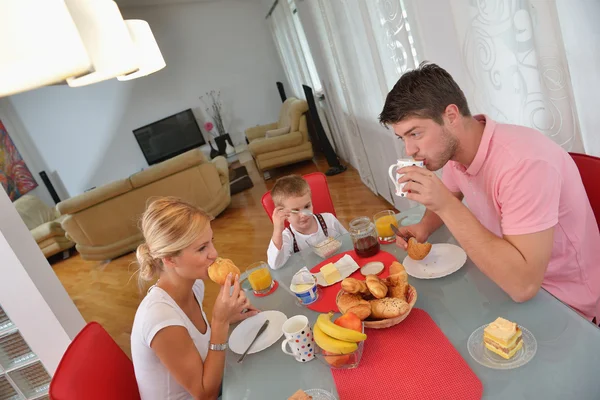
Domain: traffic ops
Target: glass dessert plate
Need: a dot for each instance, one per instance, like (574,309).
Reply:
(490,359)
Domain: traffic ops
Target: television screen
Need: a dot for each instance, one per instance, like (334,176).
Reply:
(169,137)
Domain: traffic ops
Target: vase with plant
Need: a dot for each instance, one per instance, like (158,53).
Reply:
(209,127)
(214,108)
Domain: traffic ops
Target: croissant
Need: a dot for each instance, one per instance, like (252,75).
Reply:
(416,250)
(362,311)
(352,285)
(354,303)
(220,268)
(396,268)
(398,279)
(388,308)
(376,286)
(398,292)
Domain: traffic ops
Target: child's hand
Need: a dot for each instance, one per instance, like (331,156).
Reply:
(279,218)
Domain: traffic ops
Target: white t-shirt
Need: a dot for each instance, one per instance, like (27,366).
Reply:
(157,311)
(276,258)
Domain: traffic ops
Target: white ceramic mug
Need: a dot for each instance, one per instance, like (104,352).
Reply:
(402,162)
(299,336)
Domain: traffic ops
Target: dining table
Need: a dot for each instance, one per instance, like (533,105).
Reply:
(566,364)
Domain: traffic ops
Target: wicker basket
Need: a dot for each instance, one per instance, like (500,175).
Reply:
(411,299)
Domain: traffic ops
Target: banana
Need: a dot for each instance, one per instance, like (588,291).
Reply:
(338,332)
(331,345)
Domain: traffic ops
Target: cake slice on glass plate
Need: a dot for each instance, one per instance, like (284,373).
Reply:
(503,337)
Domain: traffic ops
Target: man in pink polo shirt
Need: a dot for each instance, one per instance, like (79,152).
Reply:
(529,223)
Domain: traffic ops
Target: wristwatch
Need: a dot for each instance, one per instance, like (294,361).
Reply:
(217,347)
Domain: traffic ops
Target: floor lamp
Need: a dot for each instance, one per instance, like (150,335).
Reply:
(332,159)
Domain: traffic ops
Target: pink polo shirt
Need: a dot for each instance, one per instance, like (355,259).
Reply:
(521,182)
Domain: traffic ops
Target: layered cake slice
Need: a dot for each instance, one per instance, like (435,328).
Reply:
(503,338)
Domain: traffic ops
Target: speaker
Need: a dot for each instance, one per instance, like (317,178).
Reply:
(333,160)
(50,187)
(281,91)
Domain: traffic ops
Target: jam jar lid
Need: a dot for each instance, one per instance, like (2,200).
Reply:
(361,225)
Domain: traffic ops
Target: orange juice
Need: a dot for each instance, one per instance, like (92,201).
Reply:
(260,279)
(382,224)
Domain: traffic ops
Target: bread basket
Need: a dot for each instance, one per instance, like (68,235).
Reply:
(411,299)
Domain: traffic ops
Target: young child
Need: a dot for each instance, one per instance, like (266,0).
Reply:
(293,202)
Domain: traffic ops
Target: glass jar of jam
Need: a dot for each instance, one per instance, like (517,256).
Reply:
(364,237)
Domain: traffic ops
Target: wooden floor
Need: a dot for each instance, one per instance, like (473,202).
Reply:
(108,292)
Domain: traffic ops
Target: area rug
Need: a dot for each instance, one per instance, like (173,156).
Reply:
(239,180)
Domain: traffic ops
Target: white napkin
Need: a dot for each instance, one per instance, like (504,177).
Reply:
(346,265)
(303,277)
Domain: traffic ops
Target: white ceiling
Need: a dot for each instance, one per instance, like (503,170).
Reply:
(136,3)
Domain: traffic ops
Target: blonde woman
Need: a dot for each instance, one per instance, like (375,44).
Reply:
(176,353)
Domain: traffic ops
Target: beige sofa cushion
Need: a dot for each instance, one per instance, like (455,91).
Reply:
(277,132)
(34,211)
(258,146)
(48,230)
(94,196)
(168,167)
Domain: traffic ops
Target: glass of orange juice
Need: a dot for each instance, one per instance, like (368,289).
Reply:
(259,277)
(383,220)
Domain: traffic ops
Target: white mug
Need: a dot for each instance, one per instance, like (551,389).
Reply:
(402,162)
(299,336)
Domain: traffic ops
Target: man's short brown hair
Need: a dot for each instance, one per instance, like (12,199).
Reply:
(289,186)
(424,92)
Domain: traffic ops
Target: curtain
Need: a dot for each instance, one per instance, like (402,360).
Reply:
(515,61)
(507,55)
(291,44)
(366,46)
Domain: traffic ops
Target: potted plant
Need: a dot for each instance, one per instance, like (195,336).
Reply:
(214,108)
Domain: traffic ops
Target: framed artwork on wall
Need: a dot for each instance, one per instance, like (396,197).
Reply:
(15,177)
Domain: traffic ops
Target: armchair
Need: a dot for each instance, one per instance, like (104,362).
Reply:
(287,148)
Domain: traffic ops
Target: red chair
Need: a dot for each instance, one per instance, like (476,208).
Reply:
(94,368)
(589,169)
(321,198)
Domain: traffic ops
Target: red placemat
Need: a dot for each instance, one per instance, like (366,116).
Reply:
(411,360)
(326,301)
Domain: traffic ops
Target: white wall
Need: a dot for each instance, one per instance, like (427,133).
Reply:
(30,292)
(581,35)
(85,134)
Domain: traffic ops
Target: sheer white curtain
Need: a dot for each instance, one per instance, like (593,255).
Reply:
(516,64)
(293,49)
(366,46)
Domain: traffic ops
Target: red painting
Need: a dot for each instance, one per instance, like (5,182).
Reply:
(14,174)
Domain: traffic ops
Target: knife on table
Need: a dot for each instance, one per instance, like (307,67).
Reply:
(260,331)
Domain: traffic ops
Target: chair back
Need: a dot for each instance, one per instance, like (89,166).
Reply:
(321,198)
(589,169)
(94,368)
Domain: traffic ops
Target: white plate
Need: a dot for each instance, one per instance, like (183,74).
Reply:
(242,335)
(443,259)
(489,359)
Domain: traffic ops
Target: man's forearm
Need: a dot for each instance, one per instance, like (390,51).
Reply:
(431,221)
(494,256)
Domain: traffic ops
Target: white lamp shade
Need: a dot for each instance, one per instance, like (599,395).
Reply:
(106,39)
(39,45)
(150,58)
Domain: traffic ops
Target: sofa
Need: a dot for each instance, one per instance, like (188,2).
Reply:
(103,222)
(44,223)
(285,148)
